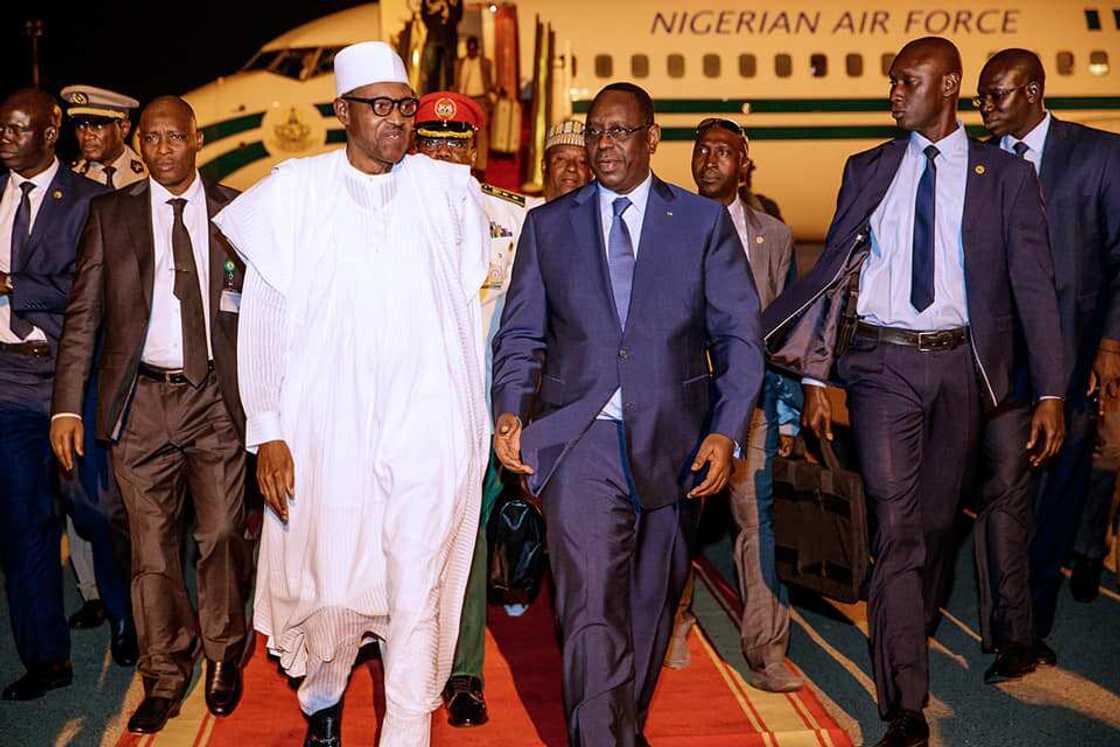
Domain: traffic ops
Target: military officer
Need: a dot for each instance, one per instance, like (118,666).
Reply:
(101,124)
(447,125)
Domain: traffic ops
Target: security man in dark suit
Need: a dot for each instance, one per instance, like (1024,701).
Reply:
(941,282)
(1079,169)
(43,207)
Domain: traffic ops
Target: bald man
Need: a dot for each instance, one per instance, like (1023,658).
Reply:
(1079,168)
(926,346)
(162,287)
(42,210)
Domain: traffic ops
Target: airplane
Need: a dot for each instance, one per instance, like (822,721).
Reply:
(807,80)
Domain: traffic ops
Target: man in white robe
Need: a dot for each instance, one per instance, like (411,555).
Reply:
(360,355)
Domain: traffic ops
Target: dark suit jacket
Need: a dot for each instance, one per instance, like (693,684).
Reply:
(560,352)
(43,271)
(112,295)
(1080,178)
(1008,270)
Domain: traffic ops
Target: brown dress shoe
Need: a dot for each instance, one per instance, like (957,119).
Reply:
(223,687)
(152,714)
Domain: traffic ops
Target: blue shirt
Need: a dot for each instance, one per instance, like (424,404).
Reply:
(884,296)
(634,217)
(1035,140)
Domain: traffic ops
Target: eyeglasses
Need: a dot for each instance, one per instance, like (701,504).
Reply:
(435,143)
(995,95)
(618,133)
(383,105)
(723,124)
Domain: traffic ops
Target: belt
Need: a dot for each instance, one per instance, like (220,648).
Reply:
(945,339)
(34,348)
(166,375)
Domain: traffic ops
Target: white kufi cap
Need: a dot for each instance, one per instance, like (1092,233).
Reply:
(367,62)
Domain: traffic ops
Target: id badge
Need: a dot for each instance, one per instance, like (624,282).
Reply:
(230,301)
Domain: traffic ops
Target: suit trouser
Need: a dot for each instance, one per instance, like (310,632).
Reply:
(96,513)
(178,440)
(914,419)
(1058,502)
(30,526)
(1092,535)
(619,571)
(1001,536)
(470,649)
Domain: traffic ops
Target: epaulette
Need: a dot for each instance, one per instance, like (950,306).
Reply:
(502,194)
(137,166)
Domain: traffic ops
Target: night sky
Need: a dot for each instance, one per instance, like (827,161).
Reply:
(144,49)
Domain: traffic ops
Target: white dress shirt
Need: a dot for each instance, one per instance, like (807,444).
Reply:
(9,204)
(742,226)
(884,296)
(163,347)
(634,216)
(1035,140)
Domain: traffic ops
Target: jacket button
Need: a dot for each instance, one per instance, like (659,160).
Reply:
(623,354)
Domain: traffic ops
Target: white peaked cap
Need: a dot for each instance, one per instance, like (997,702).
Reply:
(367,62)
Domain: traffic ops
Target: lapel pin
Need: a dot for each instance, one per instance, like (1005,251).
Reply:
(669,213)
(57,194)
(759,239)
(980,168)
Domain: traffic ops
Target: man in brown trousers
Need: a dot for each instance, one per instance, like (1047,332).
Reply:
(160,286)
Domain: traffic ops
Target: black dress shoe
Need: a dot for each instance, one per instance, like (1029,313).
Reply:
(38,680)
(123,643)
(466,705)
(908,729)
(324,728)
(1044,656)
(1012,662)
(91,615)
(223,686)
(1085,581)
(152,714)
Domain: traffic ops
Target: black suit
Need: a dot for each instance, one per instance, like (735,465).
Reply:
(1080,176)
(915,414)
(166,436)
(29,525)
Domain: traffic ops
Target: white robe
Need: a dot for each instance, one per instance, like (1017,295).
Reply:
(376,384)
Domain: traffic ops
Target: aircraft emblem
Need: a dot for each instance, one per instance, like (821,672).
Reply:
(292,135)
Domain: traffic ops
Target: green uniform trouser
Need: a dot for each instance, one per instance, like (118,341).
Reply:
(471,648)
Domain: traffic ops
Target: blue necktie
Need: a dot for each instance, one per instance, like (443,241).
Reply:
(1020,149)
(21,231)
(620,258)
(921,269)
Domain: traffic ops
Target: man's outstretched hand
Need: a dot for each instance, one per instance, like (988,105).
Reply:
(507,443)
(715,451)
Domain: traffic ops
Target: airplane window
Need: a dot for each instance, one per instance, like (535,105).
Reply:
(711,65)
(262,60)
(325,63)
(604,65)
(783,65)
(1098,62)
(746,65)
(818,65)
(639,65)
(294,63)
(1065,63)
(854,65)
(675,65)
(885,62)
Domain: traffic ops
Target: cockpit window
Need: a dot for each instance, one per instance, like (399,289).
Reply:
(325,64)
(262,60)
(298,64)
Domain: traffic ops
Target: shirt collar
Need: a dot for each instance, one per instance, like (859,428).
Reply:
(953,144)
(160,195)
(638,196)
(42,180)
(1035,139)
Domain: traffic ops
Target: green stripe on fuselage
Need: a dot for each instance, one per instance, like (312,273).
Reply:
(815,132)
(807,106)
(212,133)
(234,160)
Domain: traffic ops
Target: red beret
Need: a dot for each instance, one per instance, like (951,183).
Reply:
(444,112)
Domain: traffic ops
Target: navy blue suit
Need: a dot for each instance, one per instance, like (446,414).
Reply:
(614,491)
(1080,176)
(914,414)
(41,277)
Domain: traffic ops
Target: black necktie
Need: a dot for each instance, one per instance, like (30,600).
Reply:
(187,290)
(1020,149)
(21,231)
(921,270)
(109,171)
